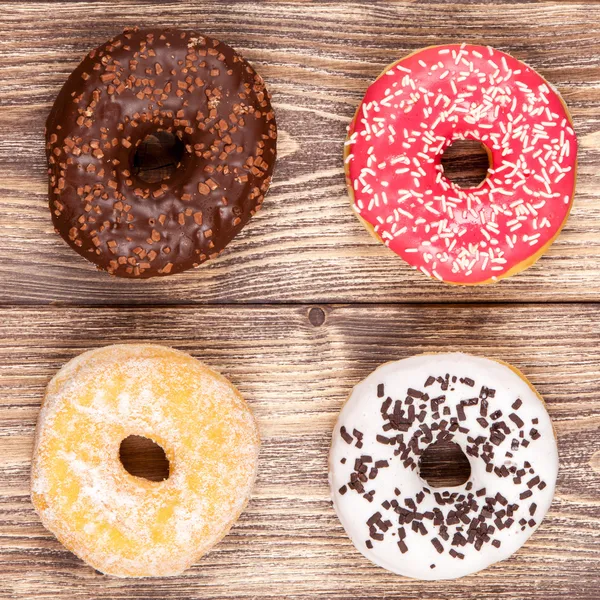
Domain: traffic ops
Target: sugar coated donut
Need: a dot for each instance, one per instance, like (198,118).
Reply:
(394,517)
(113,197)
(129,526)
(396,181)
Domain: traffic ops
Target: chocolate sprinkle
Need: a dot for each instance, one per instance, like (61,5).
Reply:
(437,545)
(516,420)
(345,435)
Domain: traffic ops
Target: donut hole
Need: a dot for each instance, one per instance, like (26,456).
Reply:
(465,163)
(142,457)
(158,156)
(444,464)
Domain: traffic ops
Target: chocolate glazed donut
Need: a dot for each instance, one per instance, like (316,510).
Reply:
(160,147)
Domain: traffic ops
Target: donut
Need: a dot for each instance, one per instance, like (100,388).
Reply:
(399,521)
(112,198)
(415,110)
(129,526)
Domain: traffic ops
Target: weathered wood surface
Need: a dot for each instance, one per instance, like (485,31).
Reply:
(297,362)
(317,58)
(289,543)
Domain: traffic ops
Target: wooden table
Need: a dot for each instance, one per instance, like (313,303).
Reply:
(304,303)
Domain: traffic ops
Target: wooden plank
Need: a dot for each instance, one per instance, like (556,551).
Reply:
(318,59)
(296,375)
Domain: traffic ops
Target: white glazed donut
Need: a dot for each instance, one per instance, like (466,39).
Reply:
(500,422)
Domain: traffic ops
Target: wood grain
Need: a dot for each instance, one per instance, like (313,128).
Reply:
(289,543)
(304,304)
(318,58)
(144,458)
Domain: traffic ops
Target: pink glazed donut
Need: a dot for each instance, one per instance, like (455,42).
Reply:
(412,113)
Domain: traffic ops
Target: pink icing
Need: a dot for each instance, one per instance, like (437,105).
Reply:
(413,112)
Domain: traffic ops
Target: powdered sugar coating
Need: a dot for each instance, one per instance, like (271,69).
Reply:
(415,110)
(124,525)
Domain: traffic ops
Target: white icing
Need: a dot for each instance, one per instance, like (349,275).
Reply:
(363,412)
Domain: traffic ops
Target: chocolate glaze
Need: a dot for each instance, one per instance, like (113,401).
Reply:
(138,83)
